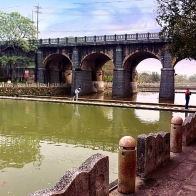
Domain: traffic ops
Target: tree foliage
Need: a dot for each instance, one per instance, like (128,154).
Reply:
(192,78)
(181,79)
(154,77)
(177,19)
(108,71)
(148,77)
(15,33)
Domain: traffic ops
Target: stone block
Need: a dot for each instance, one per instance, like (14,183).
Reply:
(193,124)
(91,178)
(189,129)
(145,154)
(165,146)
(152,151)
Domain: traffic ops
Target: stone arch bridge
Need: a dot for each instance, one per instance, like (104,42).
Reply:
(79,61)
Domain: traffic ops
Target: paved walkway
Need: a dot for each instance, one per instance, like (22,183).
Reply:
(176,178)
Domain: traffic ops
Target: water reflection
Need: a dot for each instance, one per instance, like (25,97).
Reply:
(146,97)
(18,151)
(147,115)
(76,112)
(39,141)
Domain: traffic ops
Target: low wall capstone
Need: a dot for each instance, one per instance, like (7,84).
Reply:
(91,178)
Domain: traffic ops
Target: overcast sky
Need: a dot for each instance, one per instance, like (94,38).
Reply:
(63,18)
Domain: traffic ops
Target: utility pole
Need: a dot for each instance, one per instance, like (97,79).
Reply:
(37,11)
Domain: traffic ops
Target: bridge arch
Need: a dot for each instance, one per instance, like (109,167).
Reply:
(95,62)
(131,62)
(185,67)
(57,69)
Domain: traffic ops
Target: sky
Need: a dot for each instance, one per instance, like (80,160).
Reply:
(64,18)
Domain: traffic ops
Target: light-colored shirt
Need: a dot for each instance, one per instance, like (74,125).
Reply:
(77,90)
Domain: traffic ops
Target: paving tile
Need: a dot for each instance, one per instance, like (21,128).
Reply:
(186,190)
(167,187)
(192,179)
(192,156)
(182,171)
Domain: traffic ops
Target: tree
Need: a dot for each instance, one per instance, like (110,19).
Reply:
(178,22)
(192,78)
(148,77)
(16,31)
(155,77)
(108,71)
(181,79)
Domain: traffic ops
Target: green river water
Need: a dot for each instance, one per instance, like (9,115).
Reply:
(39,141)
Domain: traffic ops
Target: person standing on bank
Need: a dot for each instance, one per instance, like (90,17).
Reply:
(187,98)
(77,91)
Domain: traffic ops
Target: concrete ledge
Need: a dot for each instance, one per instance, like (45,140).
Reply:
(107,103)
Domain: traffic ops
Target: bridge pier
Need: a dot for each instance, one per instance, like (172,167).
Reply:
(167,89)
(83,79)
(133,83)
(133,86)
(54,76)
(121,83)
(39,76)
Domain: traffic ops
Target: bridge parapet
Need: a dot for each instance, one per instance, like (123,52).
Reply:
(96,39)
(101,39)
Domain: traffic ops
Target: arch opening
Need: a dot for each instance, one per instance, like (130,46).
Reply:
(149,71)
(101,67)
(184,72)
(58,69)
(136,62)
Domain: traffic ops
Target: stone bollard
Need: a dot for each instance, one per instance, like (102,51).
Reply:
(176,135)
(126,165)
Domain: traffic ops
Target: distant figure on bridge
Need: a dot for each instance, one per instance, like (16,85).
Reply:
(77,91)
(187,98)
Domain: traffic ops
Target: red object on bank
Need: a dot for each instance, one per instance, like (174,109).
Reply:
(26,75)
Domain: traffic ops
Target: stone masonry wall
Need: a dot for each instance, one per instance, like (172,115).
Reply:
(152,151)
(121,83)
(189,128)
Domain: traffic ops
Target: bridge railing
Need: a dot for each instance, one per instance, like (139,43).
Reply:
(95,39)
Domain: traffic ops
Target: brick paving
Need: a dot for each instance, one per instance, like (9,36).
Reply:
(177,177)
